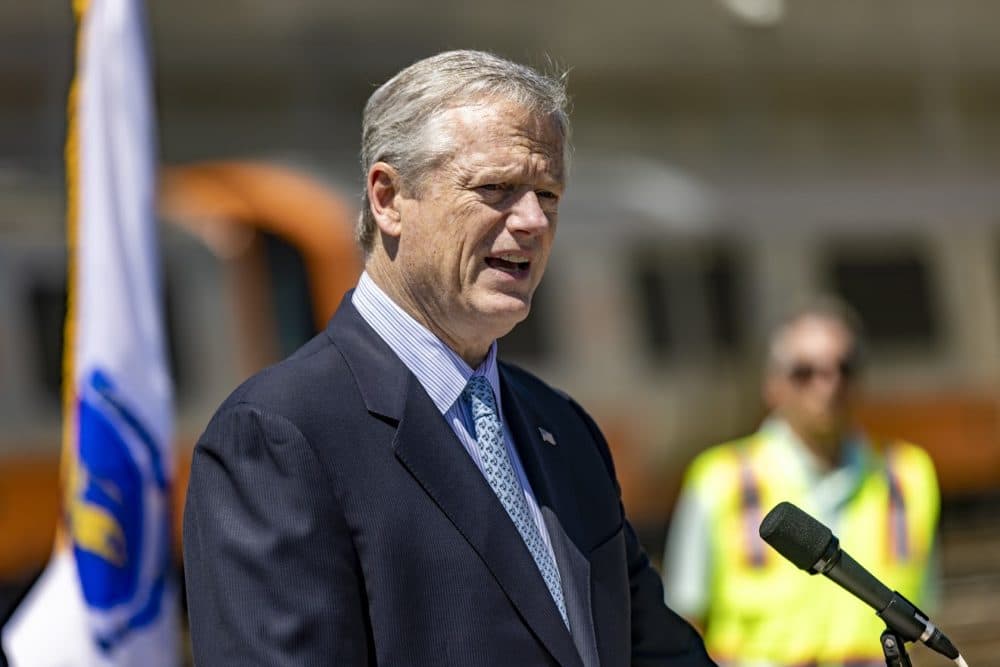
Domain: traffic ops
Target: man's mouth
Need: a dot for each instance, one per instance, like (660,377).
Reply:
(509,262)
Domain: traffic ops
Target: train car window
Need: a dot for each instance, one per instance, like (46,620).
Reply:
(178,367)
(46,302)
(689,302)
(530,342)
(892,293)
(651,286)
(289,283)
(722,296)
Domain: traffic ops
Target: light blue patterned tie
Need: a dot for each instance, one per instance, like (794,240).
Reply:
(500,474)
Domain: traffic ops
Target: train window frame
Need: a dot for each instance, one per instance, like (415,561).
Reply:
(290,300)
(700,327)
(47,270)
(33,264)
(888,255)
(48,345)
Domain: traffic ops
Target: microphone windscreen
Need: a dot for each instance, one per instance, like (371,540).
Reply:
(795,535)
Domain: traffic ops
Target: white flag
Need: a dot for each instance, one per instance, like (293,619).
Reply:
(106,597)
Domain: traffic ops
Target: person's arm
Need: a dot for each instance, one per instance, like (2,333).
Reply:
(271,573)
(660,638)
(687,559)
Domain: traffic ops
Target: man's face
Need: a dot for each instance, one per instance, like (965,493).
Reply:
(812,383)
(477,231)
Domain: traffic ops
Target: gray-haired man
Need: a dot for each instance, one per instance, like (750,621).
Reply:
(392,494)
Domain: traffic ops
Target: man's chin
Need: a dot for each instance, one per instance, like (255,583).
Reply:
(828,429)
(506,310)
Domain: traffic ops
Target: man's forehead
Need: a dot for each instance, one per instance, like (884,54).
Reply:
(817,334)
(475,129)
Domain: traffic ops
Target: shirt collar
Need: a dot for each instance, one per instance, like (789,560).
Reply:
(440,370)
(782,433)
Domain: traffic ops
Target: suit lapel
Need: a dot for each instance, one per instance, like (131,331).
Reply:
(427,447)
(550,475)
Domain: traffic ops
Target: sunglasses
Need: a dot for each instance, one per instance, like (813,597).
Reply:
(803,373)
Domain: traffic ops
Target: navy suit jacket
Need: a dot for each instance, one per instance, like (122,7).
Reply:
(333,518)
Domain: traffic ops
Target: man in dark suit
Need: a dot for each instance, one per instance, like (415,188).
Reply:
(393,495)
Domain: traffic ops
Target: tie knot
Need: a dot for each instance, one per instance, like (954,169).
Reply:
(481,397)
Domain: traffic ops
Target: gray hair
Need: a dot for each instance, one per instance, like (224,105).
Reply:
(399,111)
(824,307)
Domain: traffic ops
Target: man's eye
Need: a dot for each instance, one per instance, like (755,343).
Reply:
(546,194)
(495,187)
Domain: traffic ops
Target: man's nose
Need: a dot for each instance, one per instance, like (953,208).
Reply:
(527,215)
(830,380)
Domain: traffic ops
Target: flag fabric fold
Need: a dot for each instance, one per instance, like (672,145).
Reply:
(106,597)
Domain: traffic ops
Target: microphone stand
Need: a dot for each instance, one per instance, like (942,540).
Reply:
(894,649)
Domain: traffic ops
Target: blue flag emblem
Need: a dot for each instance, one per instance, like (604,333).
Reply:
(119,514)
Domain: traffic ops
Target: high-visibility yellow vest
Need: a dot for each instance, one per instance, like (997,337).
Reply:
(762,610)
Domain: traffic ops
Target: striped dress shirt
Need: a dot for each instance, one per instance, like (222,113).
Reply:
(443,375)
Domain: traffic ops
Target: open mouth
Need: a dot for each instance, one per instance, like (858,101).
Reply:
(514,264)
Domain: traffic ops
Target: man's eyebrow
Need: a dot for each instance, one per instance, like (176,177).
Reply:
(519,174)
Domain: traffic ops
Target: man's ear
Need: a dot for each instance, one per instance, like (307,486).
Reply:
(384,194)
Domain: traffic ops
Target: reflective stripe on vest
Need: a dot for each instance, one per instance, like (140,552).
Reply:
(750,507)
(751,511)
(899,535)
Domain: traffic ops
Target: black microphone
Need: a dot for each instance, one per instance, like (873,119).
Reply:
(812,547)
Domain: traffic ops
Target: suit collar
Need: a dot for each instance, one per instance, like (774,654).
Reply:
(441,371)
(381,377)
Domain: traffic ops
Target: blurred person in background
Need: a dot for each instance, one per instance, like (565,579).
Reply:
(882,501)
(392,494)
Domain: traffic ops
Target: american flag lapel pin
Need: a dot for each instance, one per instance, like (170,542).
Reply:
(547,436)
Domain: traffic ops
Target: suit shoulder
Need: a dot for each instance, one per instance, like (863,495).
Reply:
(295,386)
